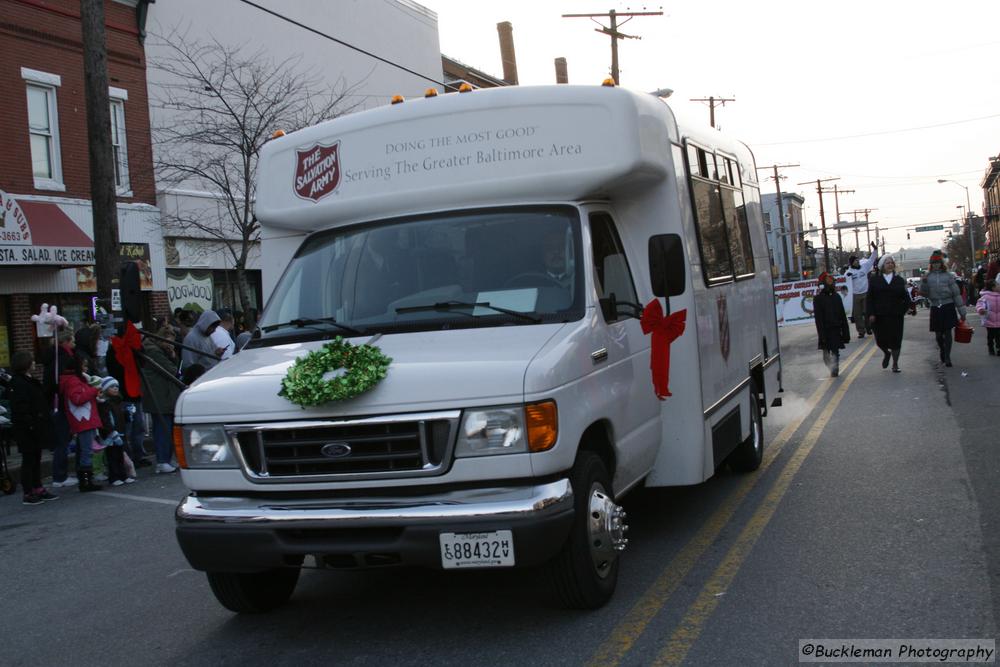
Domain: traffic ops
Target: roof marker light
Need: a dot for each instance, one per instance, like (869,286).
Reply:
(465,88)
(609,82)
(278,133)
(431,92)
(397,99)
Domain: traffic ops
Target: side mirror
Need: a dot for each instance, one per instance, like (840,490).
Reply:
(666,265)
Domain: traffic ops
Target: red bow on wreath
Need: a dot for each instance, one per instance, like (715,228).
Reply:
(125,347)
(665,330)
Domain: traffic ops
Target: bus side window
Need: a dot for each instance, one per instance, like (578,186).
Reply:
(737,230)
(612,274)
(711,222)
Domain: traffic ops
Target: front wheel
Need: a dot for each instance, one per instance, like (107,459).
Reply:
(748,454)
(254,592)
(585,573)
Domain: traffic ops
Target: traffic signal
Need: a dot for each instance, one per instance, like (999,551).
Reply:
(131,291)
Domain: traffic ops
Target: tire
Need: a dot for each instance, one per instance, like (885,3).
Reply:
(254,592)
(577,581)
(748,454)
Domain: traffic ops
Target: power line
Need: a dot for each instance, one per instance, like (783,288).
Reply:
(343,43)
(875,134)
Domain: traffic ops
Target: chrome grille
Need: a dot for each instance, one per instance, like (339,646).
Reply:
(379,447)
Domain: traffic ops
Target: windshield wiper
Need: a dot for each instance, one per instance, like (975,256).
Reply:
(310,321)
(447,306)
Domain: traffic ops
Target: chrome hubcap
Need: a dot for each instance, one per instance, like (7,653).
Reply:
(606,529)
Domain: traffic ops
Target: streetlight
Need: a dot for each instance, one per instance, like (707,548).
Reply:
(968,221)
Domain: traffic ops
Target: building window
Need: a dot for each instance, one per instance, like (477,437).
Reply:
(43,129)
(120,147)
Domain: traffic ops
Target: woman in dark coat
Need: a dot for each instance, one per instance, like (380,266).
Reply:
(888,303)
(31,419)
(160,394)
(831,323)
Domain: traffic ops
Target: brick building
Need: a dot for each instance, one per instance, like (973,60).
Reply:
(46,219)
(991,199)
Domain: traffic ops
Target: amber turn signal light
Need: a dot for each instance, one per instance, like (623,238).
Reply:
(543,425)
(179,447)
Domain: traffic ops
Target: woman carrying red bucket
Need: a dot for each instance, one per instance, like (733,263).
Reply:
(941,290)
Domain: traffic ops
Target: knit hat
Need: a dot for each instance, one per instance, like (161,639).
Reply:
(108,383)
(883,259)
(937,256)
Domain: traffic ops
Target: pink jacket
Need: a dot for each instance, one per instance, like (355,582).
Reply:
(989,305)
(79,400)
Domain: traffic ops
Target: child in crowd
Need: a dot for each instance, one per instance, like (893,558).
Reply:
(110,407)
(31,426)
(989,307)
(80,401)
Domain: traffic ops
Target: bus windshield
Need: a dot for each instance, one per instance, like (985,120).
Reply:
(496,267)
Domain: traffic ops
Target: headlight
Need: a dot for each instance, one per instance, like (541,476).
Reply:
(206,446)
(492,431)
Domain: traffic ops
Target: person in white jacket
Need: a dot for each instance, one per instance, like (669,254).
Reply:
(858,275)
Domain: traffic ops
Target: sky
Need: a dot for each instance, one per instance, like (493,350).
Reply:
(806,75)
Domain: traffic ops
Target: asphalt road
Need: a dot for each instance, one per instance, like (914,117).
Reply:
(874,516)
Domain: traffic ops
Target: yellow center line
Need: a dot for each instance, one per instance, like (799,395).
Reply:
(629,629)
(690,627)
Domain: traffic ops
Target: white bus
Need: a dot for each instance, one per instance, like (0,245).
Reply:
(505,248)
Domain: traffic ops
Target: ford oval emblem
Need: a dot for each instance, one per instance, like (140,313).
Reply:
(335,450)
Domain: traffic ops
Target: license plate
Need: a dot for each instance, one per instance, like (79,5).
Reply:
(492,549)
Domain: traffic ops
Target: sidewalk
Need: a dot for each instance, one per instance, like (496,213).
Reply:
(14,462)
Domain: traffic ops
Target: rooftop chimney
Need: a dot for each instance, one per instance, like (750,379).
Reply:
(562,76)
(506,32)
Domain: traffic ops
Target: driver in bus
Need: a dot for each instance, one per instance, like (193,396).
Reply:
(557,267)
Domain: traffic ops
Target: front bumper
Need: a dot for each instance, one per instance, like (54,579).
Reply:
(231,534)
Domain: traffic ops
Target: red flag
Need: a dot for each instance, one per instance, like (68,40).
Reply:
(125,347)
(665,330)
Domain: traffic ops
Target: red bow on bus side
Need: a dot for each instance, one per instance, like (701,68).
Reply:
(124,348)
(665,330)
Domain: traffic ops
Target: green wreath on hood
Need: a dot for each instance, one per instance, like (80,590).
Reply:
(307,383)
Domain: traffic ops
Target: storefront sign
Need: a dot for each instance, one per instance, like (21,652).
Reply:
(794,300)
(190,290)
(86,276)
(39,232)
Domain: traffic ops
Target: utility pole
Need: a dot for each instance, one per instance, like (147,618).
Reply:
(613,32)
(712,103)
(102,166)
(781,211)
(836,203)
(822,217)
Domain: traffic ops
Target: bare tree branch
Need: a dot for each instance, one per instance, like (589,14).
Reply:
(219,105)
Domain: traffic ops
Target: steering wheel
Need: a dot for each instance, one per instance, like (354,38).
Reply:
(532,278)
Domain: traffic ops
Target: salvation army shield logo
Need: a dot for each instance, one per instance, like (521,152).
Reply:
(317,171)
(723,327)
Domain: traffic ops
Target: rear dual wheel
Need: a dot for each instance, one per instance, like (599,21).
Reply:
(748,454)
